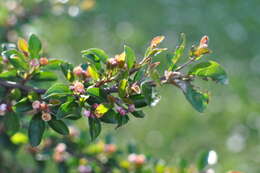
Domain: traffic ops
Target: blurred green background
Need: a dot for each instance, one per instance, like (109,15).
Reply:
(172,129)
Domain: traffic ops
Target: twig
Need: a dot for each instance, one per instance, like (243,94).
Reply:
(185,64)
(10,84)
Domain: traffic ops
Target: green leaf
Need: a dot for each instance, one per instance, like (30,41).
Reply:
(110,117)
(98,93)
(36,130)
(94,128)
(67,70)
(59,126)
(45,76)
(8,74)
(35,46)
(23,105)
(139,100)
(57,90)
(13,52)
(102,109)
(138,114)
(197,99)
(98,54)
(122,89)
(53,64)
(130,57)
(68,109)
(122,120)
(11,122)
(18,63)
(93,72)
(211,70)
(139,75)
(178,52)
(202,161)
(147,91)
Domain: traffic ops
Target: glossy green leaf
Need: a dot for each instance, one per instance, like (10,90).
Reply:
(57,90)
(110,117)
(11,122)
(102,109)
(45,76)
(93,72)
(23,105)
(197,99)
(122,89)
(202,161)
(98,54)
(18,63)
(211,70)
(178,52)
(35,46)
(13,52)
(130,57)
(68,109)
(36,130)
(98,93)
(8,74)
(59,126)
(53,64)
(122,120)
(139,75)
(138,114)
(67,70)
(94,127)
(147,91)
(138,100)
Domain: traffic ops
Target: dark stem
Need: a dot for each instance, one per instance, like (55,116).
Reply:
(10,84)
(185,64)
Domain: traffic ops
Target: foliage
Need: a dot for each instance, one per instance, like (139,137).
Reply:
(102,89)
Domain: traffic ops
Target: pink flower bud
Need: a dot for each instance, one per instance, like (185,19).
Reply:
(84,169)
(86,113)
(140,159)
(44,61)
(36,105)
(78,87)
(131,108)
(121,111)
(132,157)
(34,62)
(95,105)
(78,71)
(112,62)
(61,147)
(3,109)
(110,148)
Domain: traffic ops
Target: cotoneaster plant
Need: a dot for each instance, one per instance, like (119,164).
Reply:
(101,89)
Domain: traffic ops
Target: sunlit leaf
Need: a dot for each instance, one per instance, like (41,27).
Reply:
(122,89)
(130,57)
(178,52)
(211,70)
(35,46)
(22,45)
(93,72)
(57,90)
(101,110)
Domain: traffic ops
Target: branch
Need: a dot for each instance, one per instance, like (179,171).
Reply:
(10,84)
(185,64)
